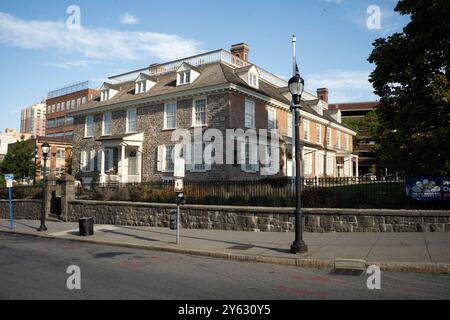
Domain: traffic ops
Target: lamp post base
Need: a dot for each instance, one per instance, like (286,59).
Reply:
(42,228)
(299,247)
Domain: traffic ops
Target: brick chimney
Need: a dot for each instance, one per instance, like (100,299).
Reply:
(240,50)
(322,94)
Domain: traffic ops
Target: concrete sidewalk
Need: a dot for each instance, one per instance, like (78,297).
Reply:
(409,252)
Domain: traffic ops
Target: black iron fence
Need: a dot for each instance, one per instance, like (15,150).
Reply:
(316,193)
(22,192)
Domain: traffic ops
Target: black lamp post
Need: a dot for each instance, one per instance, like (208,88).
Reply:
(45,153)
(296,86)
(35,164)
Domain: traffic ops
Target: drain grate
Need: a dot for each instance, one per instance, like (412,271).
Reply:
(241,247)
(347,272)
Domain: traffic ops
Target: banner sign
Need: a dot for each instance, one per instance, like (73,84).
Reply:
(428,188)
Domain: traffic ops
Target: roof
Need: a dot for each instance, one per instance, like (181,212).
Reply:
(368,105)
(211,74)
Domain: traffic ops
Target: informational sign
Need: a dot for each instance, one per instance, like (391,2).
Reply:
(9,180)
(428,188)
(179,185)
(9,184)
(179,168)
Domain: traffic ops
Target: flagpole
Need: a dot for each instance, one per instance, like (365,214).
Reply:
(294,71)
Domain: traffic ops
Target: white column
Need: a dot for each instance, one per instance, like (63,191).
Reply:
(357,166)
(139,164)
(102,166)
(122,164)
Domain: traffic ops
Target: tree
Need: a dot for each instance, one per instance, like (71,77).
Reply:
(412,79)
(19,160)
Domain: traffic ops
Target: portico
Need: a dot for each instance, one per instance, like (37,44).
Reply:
(121,158)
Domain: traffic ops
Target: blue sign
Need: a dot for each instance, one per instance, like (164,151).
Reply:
(9,176)
(428,188)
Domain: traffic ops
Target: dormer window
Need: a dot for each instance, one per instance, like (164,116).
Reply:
(184,77)
(253,79)
(104,95)
(141,87)
(186,74)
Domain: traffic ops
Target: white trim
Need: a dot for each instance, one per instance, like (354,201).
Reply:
(165,114)
(86,126)
(206,111)
(269,110)
(127,120)
(103,123)
(253,107)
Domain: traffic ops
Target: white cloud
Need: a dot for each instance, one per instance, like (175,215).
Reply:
(94,43)
(343,85)
(128,18)
(73,64)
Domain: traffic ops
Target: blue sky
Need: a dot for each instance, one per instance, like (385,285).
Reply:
(39,53)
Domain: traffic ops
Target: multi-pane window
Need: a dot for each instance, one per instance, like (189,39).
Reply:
(69,120)
(168,161)
(249,114)
(199,112)
(89,126)
(318,133)
(73,104)
(319,163)
(141,87)
(108,159)
(54,108)
(60,153)
(63,106)
(69,104)
(271,119)
(330,164)
(251,156)
(131,120)
(83,100)
(79,102)
(308,163)
(50,123)
(58,107)
(289,125)
(306,129)
(184,77)
(60,122)
(170,118)
(253,79)
(197,157)
(107,123)
(328,136)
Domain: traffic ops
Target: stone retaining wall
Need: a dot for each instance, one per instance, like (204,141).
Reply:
(261,218)
(22,209)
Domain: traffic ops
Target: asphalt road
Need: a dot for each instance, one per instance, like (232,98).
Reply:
(33,268)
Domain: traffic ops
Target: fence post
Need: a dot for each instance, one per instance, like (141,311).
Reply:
(50,188)
(68,194)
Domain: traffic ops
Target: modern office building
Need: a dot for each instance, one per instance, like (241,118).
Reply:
(59,102)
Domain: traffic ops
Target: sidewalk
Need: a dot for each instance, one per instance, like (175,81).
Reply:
(409,252)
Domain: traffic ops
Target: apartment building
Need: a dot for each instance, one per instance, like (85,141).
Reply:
(32,120)
(59,102)
(126,134)
(9,136)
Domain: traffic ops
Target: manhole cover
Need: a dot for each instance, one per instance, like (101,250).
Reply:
(241,247)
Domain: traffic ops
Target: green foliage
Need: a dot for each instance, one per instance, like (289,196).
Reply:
(19,160)
(412,79)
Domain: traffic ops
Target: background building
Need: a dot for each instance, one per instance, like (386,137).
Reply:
(32,120)
(59,102)
(10,136)
(369,162)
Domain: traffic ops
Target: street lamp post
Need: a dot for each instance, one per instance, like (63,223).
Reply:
(45,153)
(296,86)
(35,164)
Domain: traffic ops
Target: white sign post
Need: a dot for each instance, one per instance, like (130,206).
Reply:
(179,174)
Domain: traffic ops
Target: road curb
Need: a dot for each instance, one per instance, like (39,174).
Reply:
(414,267)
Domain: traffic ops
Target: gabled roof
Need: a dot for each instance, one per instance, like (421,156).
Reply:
(186,66)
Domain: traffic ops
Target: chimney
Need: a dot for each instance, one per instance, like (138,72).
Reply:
(322,94)
(240,50)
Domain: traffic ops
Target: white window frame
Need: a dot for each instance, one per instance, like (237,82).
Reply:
(195,156)
(86,126)
(308,162)
(129,111)
(338,139)
(166,106)
(184,77)
(269,112)
(249,112)
(104,133)
(194,113)
(330,165)
(251,155)
(253,80)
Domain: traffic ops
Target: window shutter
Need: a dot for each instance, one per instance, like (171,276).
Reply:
(83,161)
(161,157)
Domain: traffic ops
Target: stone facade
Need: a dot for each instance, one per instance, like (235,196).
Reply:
(261,219)
(22,209)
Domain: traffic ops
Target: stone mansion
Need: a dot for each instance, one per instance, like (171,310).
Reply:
(124,135)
